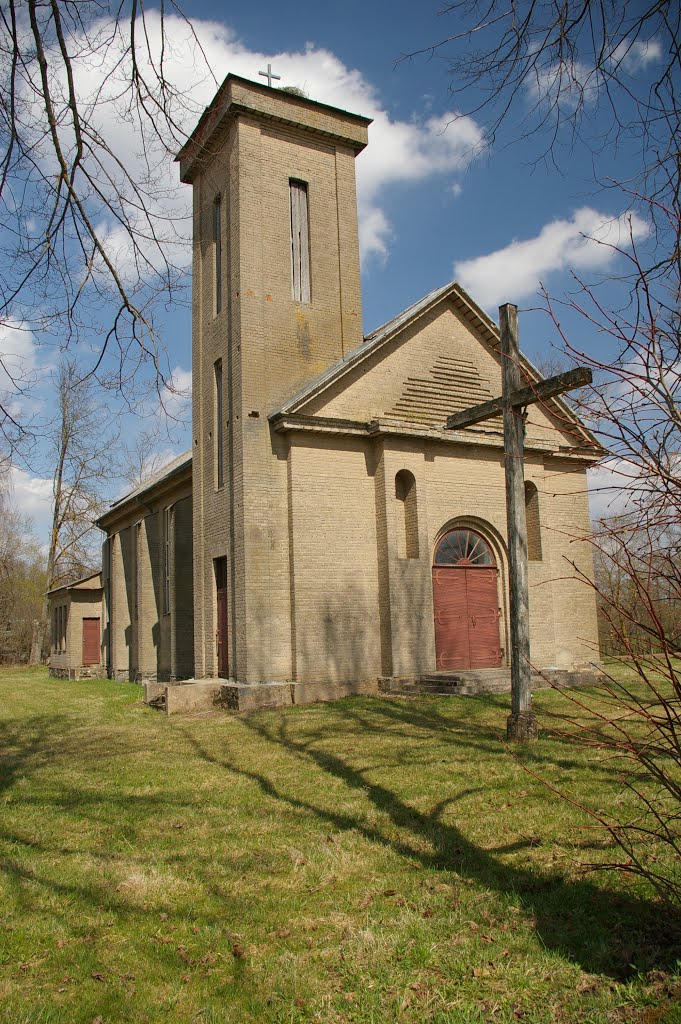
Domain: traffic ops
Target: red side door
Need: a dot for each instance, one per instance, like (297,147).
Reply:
(91,637)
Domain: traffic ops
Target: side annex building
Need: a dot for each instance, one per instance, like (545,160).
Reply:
(325,531)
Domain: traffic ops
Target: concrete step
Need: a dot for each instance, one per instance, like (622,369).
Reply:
(472,682)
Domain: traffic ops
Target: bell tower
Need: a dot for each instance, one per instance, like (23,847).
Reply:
(276,302)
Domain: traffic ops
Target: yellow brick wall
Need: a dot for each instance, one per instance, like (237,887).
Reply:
(270,346)
(78,604)
(359,603)
(156,644)
(334,569)
(465,487)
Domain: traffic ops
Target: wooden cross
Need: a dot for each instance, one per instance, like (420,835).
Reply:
(269,75)
(514,399)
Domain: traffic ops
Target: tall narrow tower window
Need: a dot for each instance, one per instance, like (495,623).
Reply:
(300,241)
(219,443)
(217,254)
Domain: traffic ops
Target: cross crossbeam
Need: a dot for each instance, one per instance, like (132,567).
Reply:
(540,392)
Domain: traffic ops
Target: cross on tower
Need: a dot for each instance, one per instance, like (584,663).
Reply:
(514,399)
(269,75)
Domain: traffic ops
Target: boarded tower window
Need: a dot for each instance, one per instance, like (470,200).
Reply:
(300,241)
(533,524)
(219,442)
(405,492)
(217,254)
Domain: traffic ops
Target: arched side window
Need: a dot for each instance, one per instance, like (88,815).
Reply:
(533,523)
(405,492)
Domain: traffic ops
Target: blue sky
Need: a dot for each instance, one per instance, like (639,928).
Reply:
(434,202)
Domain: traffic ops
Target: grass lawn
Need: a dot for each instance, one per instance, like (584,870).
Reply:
(367,861)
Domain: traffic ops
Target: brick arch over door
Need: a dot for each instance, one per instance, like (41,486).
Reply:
(465,602)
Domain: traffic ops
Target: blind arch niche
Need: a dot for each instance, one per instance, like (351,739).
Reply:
(408,526)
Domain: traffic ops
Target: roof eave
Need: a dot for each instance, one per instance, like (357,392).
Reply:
(135,498)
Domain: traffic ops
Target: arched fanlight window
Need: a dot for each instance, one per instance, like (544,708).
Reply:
(405,492)
(463,548)
(533,523)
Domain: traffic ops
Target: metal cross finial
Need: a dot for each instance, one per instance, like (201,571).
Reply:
(269,76)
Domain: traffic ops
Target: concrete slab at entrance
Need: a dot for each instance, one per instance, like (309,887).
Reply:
(250,697)
(472,682)
(183,697)
(203,694)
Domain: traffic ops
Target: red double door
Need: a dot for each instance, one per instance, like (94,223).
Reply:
(466,607)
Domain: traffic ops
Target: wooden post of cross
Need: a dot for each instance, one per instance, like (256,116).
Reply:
(522,724)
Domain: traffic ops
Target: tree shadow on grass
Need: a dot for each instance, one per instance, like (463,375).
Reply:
(605,932)
(26,743)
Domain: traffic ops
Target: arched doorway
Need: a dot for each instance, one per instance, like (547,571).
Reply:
(465,602)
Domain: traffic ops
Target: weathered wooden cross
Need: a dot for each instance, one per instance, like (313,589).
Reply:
(514,400)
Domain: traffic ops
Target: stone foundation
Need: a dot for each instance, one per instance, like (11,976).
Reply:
(83,672)
(203,694)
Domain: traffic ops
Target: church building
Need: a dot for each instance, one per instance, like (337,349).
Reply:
(326,531)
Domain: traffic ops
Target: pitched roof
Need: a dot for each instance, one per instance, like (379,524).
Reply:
(171,469)
(76,583)
(373,342)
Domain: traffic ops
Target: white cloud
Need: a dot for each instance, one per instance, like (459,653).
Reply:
(613,488)
(17,354)
(375,232)
(18,364)
(637,54)
(588,241)
(568,84)
(32,496)
(399,151)
(564,85)
(175,398)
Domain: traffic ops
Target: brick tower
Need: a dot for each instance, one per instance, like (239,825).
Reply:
(276,302)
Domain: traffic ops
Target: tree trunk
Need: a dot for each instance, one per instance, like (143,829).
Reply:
(38,641)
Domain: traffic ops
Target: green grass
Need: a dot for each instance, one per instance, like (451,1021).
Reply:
(366,861)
